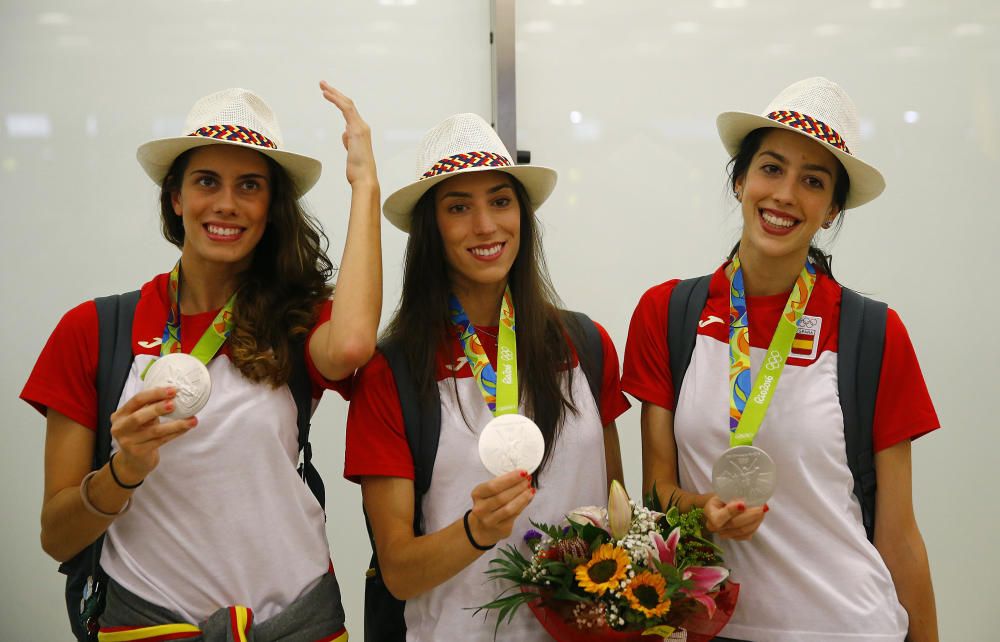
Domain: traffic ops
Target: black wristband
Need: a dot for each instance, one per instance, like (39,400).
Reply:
(111,465)
(468,533)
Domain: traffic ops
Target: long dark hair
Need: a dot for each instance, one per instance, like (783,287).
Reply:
(280,293)
(740,163)
(421,323)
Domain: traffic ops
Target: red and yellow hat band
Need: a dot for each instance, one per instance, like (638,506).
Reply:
(465,161)
(809,125)
(235,133)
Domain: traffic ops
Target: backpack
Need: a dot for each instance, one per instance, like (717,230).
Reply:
(859,363)
(384,621)
(86,582)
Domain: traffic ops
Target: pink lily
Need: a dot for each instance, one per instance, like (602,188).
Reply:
(619,511)
(594,515)
(706,579)
(664,551)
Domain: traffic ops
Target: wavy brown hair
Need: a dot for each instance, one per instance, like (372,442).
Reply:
(282,290)
(421,324)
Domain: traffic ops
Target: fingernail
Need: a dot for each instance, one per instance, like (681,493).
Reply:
(524,474)
(533,491)
(741,507)
(193,422)
(168,406)
(766,508)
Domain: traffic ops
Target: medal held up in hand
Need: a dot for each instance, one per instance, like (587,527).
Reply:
(187,372)
(745,471)
(510,441)
(188,375)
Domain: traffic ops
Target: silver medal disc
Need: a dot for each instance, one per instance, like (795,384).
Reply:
(188,375)
(511,442)
(744,472)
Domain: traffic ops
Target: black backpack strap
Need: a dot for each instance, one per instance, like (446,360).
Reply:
(422,421)
(114,361)
(589,347)
(859,365)
(687,300)
(300,386)
(384,618)
(114,322)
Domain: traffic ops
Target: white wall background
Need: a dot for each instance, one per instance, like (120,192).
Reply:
(619,97)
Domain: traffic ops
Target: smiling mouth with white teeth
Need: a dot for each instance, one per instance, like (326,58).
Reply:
(778,221)
(487,251)
(218,230)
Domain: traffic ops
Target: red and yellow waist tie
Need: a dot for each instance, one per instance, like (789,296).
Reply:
(240,624)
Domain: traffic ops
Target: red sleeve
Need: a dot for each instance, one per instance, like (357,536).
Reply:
(646,374)
(65,376)
(613,400)
(903,408)
(319,381)
(376,435)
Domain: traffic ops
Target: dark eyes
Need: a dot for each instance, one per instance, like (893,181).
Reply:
(501,202)
(207,181)
(771,169)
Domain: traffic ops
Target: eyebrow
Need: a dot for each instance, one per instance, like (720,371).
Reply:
(492,190)
(810,166)
(215,174)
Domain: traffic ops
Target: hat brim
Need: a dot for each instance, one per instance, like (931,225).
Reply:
(538,182)
(866,181)
(157,156)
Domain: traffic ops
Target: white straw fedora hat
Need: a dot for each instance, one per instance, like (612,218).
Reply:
(229,117)
(463,143)
(818,108)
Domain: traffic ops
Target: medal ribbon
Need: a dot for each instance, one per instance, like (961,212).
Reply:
(500,393)
(747,407)
(213,338)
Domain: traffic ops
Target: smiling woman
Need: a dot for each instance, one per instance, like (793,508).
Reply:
(794,170)
(249,298)
(473,265)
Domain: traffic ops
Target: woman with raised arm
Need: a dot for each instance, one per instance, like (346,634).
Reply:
(477,335)
(209,532)
(758,409)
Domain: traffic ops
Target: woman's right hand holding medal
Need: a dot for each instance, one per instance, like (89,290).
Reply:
(497,503)
(137,429)
(733,520)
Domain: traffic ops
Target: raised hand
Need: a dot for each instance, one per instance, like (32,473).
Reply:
(357,137)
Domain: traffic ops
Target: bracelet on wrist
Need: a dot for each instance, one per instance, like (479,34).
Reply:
(468,533)
(84,495)
(114,475)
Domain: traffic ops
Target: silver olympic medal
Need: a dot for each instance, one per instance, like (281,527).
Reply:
(744,472)
(188,375)
(511,442)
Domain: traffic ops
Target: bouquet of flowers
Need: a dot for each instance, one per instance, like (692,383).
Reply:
(619,573)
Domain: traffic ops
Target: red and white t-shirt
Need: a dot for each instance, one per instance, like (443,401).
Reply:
(809,574)
(574,476)
(223,519)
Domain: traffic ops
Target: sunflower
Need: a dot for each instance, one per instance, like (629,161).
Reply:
(605,570)
(647,594)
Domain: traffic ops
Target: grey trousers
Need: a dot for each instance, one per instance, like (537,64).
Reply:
(316,615)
